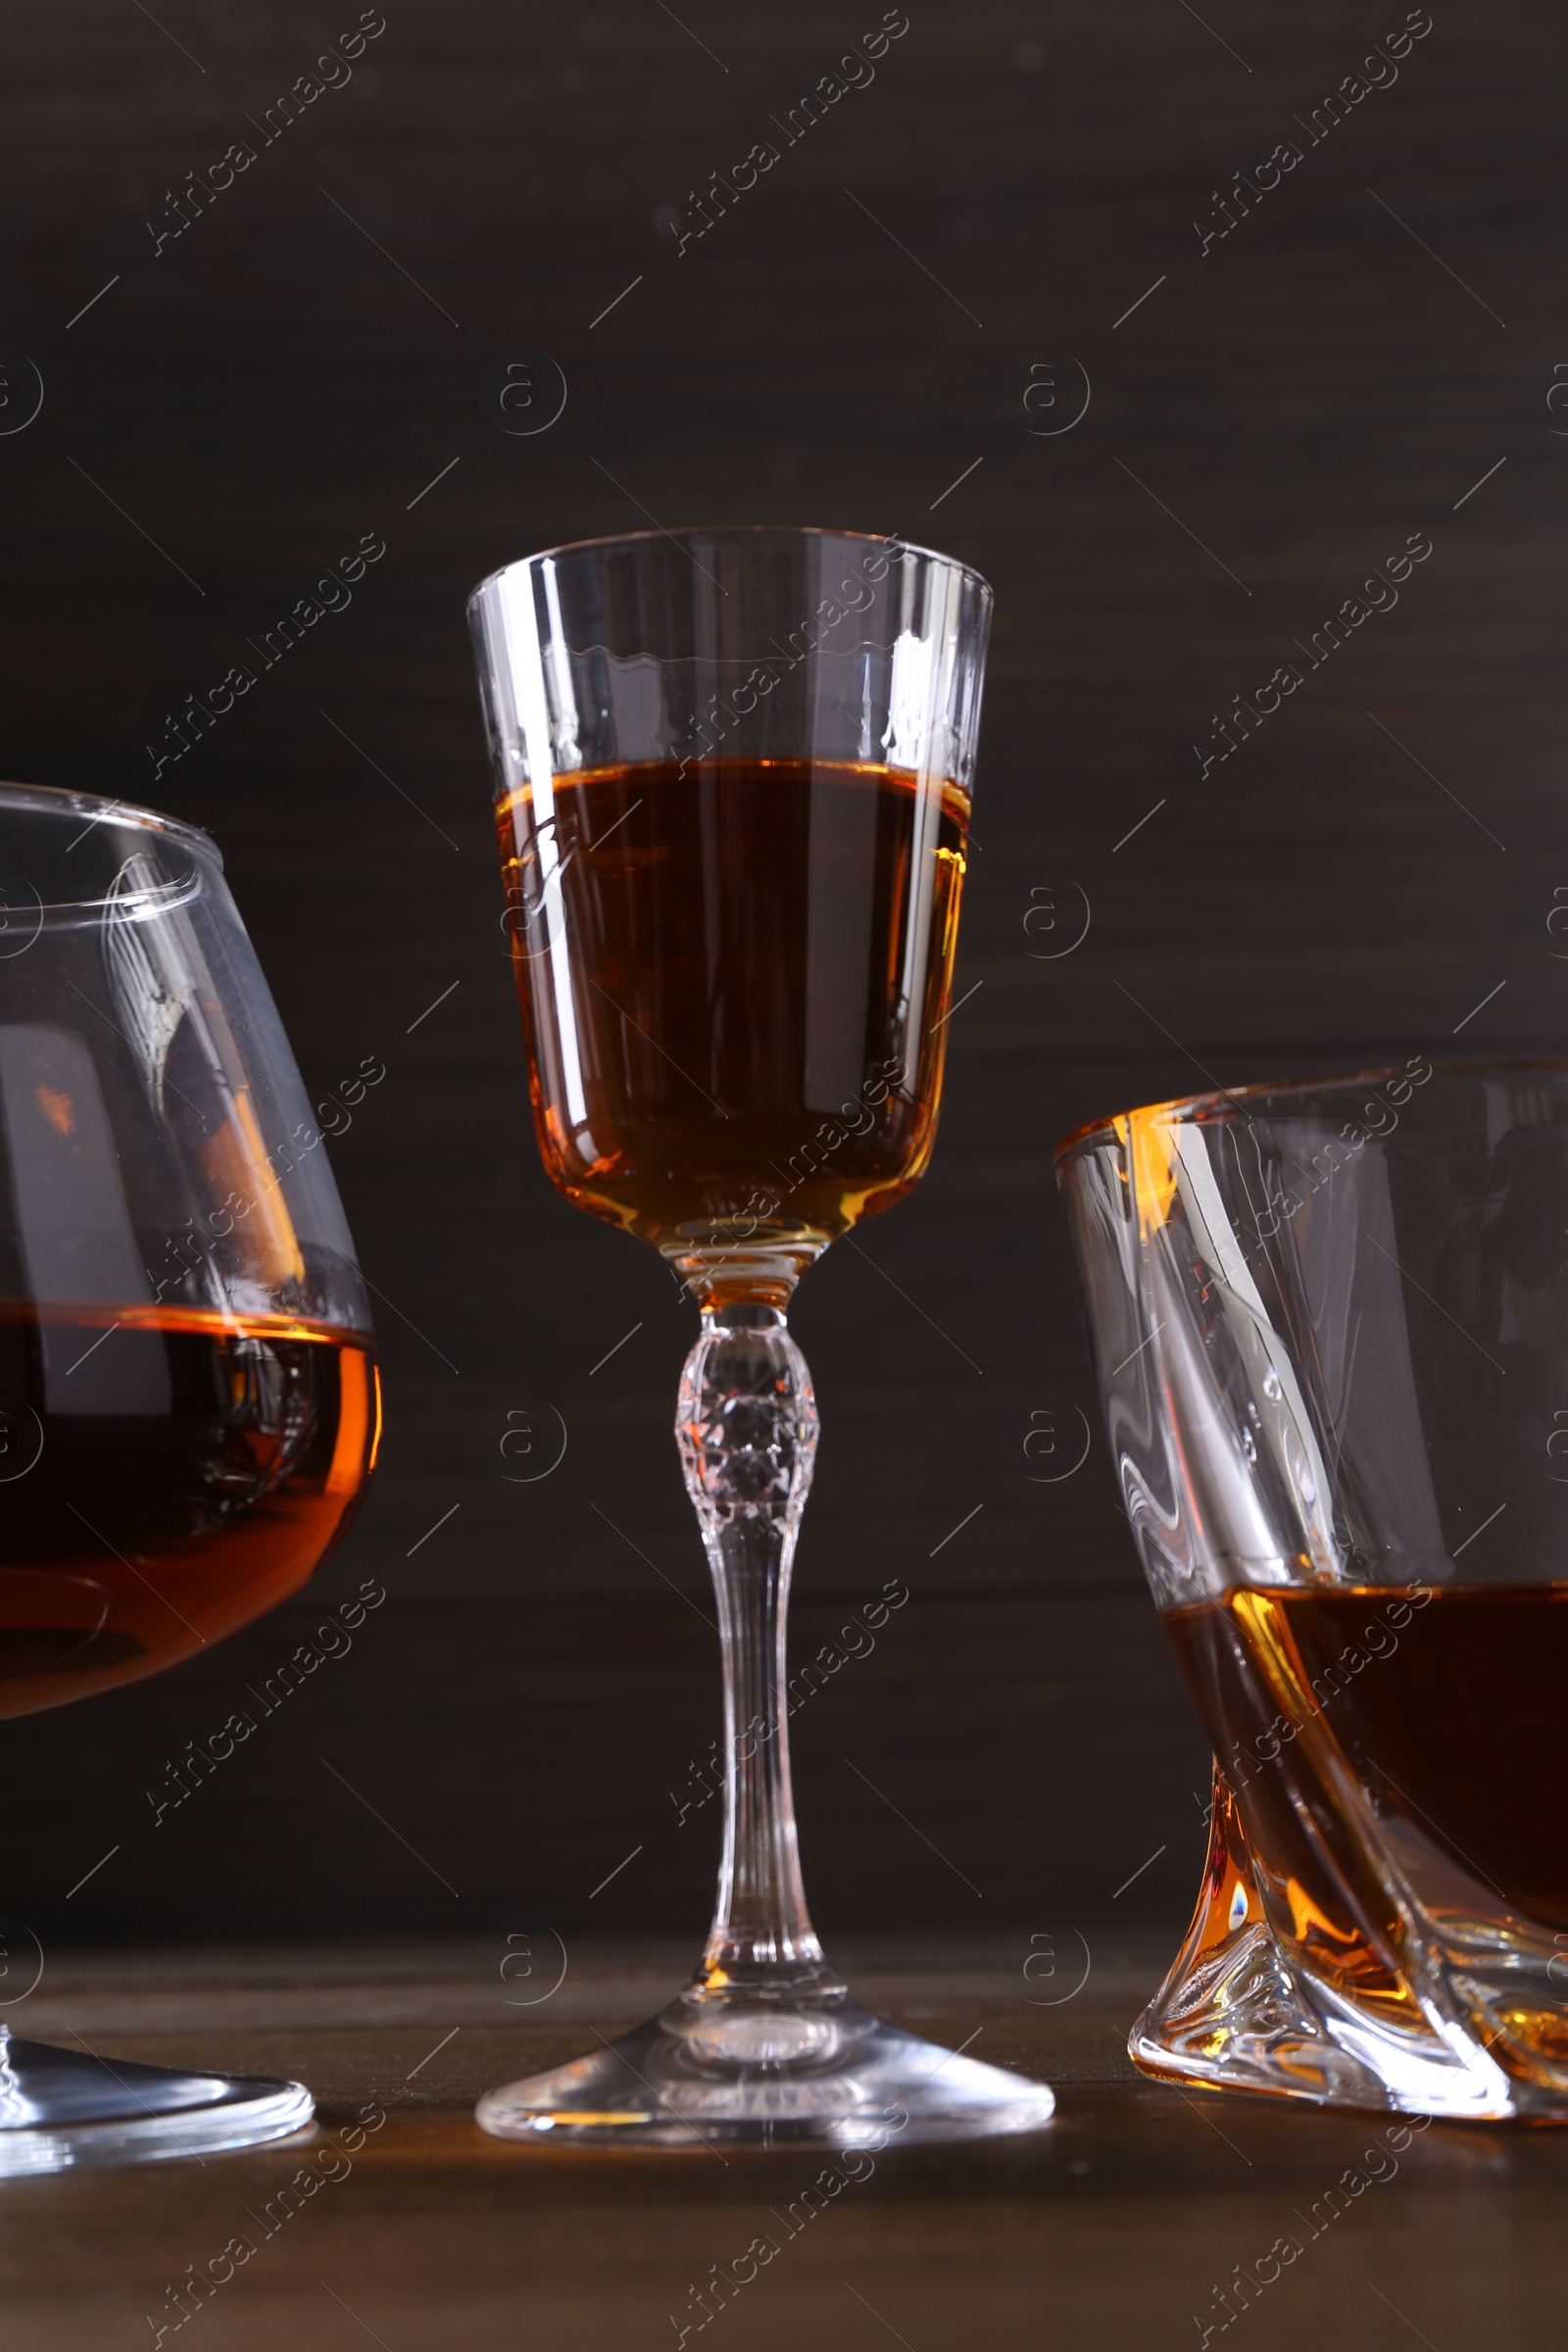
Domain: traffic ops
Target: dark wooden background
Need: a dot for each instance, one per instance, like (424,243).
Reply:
(1279,415)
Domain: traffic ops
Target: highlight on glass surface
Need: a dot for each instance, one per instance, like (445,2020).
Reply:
(733,781)
(1331,1322)
(189,1395)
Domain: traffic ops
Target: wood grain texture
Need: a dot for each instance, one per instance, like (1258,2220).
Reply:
(1112,2226)
(235,408)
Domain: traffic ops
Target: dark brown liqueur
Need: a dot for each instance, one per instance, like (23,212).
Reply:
(1445,1704)
(755,958)
(166,1474)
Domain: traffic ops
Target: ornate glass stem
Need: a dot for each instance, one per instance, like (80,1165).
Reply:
(747,1429)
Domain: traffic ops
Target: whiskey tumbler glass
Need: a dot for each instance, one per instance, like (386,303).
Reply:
(1331,1327)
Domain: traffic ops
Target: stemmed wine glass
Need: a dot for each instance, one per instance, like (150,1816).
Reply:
(734,774)
(189,1395)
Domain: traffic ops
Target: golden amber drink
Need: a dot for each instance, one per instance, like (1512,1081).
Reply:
(169,1474)
(749,1036)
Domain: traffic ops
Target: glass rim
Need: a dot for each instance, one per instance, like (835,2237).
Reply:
(1195,1108)
(55,799)
(62,801)
(731,530)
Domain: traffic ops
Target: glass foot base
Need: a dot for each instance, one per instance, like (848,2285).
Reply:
(765,2074)
(65,2110)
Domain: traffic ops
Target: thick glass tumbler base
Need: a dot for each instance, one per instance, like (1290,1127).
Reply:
(1238,2012)
(69,2111)
(764,2074)
(1246,2019)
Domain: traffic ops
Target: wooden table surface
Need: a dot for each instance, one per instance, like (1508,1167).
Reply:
(1111,2229)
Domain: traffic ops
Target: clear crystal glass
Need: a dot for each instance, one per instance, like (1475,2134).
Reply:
(189,1395)
(1331,1322)
(734,771)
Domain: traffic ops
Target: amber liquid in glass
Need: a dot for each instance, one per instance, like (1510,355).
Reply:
(734,981)
(166,1474)
(1445,1704)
